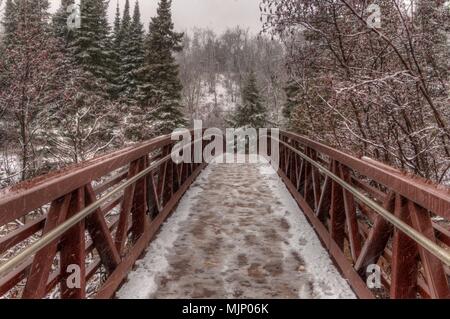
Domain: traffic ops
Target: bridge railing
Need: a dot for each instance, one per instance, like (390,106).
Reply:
(375,221)
(81,229)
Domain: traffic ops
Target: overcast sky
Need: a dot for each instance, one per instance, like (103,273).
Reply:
(215,14)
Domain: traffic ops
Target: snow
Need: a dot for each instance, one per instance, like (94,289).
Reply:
(155,262)
(216,102)
(9,169)
(223,90)
(237,233)
(306,242)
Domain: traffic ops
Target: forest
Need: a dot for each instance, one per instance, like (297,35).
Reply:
(69,93)
(72,91)
(348,198)
(372,82)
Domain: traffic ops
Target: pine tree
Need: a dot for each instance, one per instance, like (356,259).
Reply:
(132,55)
(126,20)
(9,24)
(127,68)
(251,113)
(81,121)
(59,22)
(91,46)
(116,41)
(117,28)
(160,92)
(9,21)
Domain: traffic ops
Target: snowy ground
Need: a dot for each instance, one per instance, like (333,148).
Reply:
(237,233)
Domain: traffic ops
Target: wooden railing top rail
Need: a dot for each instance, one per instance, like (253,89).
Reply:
(435,198)
(415,235)
(29,195)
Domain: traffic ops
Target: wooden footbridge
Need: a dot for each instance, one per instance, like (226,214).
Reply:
(78,232)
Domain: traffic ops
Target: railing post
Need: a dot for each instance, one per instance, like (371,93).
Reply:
(153,202)
(311,188)
(100,234)
(36,285)
(433,269)
(337,211)
(139,210)
(404,257)
(350,214)
(406,254)
(377,239)
(127,205)
(167,180)
(73,253)
(316,180)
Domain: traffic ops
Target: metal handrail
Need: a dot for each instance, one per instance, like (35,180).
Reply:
(419,238)
(59,230)
(436,199)
(55,233)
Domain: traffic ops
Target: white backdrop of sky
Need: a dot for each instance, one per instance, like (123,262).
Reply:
(217,15)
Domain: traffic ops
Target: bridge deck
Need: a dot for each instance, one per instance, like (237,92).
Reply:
(237,233)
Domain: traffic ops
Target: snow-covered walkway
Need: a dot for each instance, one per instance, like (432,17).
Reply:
(237,233)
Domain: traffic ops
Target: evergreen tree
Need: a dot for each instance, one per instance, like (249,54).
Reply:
(59,22)
(160,92)
(91,46)
(9,24)
(132,55)
(116,40)
(82,120)
(9,21)
(251,113)
(124,49)
(117,28)
(126,20)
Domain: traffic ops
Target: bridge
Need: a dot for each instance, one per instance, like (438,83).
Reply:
(135,224)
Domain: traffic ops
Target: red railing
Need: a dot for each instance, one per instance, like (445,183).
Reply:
(342,196)
(99,216)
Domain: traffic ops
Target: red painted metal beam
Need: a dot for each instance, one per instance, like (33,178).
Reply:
(431,197)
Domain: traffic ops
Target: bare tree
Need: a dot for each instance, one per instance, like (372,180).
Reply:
(379,91)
